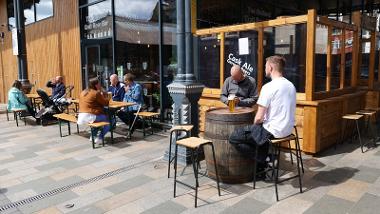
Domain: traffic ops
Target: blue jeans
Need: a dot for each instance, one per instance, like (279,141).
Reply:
(105,129)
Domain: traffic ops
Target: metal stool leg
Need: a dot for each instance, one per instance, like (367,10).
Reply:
(277,168)
(255,168)
(60,127)
(6,111)
(195,175)
(175,169)
(299,149)
(68,127)
(360,139)
(216,168)
(298,154)
(92,138)
(170,152)
(16,118)
(290,152)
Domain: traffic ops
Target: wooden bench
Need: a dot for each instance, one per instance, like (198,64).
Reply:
(71,118)
(147,116)
(17,113)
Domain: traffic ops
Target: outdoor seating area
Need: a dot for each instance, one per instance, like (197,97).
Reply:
(134,178)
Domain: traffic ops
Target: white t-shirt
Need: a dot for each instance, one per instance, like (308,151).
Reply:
(279,97)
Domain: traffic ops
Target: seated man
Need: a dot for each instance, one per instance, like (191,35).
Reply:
(243,87)
(58,88)
(134,94)
(275,117)
(116,88)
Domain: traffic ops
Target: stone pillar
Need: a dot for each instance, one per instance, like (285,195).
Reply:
(185,90)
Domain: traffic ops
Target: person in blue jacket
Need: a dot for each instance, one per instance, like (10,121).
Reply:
(134,94)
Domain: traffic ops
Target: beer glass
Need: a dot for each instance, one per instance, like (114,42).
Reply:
(231,102)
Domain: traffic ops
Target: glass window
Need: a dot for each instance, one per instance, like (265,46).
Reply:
(29,12)
(236,55)
(336,50)
(169,50)
(321,42)
(377,61)
(348,58)
(97,21)
(96,34)
(364,66)
(290,42)
(83,2)
(44,9)
(208,60)
(34,10)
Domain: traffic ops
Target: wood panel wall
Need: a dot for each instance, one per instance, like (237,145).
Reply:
(53,48)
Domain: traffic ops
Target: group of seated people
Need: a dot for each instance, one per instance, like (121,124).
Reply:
(93,102)
(18,100)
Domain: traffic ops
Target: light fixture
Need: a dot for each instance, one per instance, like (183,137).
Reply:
(148,46)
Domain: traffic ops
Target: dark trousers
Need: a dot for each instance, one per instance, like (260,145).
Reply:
(127,117)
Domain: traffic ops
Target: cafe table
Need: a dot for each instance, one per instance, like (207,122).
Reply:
(33,98)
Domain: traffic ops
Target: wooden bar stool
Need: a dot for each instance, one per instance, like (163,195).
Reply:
(18,113)
(195,145)
(355,118)
(368,115)
(276,145)
(147,116)
(176,130)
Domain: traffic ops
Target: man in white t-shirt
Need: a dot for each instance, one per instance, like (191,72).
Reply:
(276,109)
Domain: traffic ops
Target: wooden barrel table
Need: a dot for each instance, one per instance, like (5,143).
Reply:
(233,167)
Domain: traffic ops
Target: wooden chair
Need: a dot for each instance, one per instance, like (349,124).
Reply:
(195,145)
(176,130)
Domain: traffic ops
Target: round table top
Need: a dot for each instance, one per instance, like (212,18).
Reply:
(224,114)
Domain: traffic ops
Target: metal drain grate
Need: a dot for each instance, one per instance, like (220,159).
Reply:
(81,183)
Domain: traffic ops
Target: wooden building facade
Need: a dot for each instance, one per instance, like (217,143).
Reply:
(53,48)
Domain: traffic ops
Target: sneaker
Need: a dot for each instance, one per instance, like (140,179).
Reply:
(98,141)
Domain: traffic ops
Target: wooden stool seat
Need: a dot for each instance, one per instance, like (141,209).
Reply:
(192,142)
(177,129)
(283,139)
(18,110)
(355,118)
(182,128)
(352,116)
(147,114)
(366,112)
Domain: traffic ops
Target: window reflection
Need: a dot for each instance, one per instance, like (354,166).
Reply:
(348,58)
(97,21)
(44,9)
(208,60)
(248,60)
(290,42)
(336,44)
(34,10)
(321,41)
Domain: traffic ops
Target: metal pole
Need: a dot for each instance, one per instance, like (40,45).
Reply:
(160,55)
(20,26)
(189,43)
(181,57)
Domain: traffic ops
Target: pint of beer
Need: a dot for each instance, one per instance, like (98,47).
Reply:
(231,102)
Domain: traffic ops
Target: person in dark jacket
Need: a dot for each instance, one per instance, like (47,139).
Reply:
(116,88)
(58,88)
(242,87)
